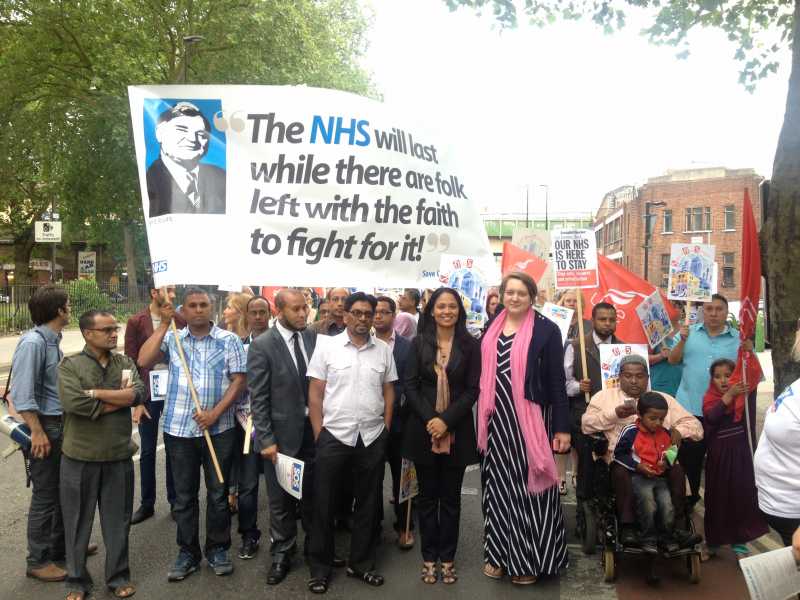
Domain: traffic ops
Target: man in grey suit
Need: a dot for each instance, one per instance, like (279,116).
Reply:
(276,377)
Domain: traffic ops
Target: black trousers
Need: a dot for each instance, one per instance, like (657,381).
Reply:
(692,455)
(148,436)
(248,471)
(785,527)
(282,506)
(439,508)
(45,523)
(332,459)
(187,456)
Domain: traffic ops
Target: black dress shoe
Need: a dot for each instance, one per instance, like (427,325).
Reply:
(338,562)
(144,513)
(628,537)
(277,573)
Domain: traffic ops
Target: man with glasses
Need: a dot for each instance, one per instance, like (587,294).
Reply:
(97,389)
(334,324)
(350,401)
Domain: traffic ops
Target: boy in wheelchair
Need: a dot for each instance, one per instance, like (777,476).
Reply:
(645,448)
(609,413)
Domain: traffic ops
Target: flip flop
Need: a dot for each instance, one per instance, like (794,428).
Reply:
(124,591)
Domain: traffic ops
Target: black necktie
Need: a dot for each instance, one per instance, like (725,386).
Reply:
(301,363)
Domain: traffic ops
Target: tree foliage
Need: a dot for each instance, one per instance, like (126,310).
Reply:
(66,64)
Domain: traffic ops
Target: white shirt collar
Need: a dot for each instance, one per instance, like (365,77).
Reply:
(179,172)
(286,333)
(598,340)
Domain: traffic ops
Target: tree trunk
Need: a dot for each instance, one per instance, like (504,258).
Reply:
(781,231)
(23,246)
(130,259)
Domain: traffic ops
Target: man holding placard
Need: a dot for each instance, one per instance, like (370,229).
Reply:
(217,378)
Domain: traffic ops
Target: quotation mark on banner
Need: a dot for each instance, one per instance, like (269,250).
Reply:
(234,121)
(437,242)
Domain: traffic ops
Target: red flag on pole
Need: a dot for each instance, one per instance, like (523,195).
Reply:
(623,289)
(748,369)
(517,259)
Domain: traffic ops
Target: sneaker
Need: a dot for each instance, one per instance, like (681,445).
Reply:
(649,547)
(249,548)
(220,562)
(686,539)
(627,536)
(184,566)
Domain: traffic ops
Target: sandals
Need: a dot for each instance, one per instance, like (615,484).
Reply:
(124,591)
(368,577)
(523,580)
(562,488)
(429,574)
(492,572)
(449,575)
(318,586)
(76,595)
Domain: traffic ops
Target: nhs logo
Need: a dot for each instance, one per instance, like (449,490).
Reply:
(160,266)
(297,476)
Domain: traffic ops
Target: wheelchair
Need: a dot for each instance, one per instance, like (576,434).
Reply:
(598,525)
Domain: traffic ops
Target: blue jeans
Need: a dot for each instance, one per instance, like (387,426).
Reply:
(45,523)
(148,437)
(653,501)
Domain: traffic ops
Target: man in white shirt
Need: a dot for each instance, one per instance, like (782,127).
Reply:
(350,401)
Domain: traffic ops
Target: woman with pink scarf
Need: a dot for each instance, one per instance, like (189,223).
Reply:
(442,379)
(522,419)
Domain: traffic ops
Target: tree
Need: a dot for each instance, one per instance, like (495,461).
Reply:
(64,116)
(760,29)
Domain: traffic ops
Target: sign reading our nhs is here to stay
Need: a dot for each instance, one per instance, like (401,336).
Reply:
(575,259)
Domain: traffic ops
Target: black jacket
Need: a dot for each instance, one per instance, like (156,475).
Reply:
(463,375)
(545,382)
(167,198)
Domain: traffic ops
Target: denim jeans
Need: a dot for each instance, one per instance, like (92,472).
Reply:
(653,502)
(148,435)
(187,456)
(45,523)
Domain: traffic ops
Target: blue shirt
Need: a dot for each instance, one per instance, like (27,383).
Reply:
(665,377)
(212,360)
(699,352)
(34,372)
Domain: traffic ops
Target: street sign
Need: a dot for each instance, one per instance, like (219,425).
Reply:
(47,231)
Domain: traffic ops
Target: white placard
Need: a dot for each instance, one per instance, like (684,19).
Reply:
(158,384)
(289,472)
(560,315)
(47,231)
(771,575)
(654,318)
(471,277)
(87,265)
(312,186)
(691,273)
(574,259)
(409,486)
(610,357)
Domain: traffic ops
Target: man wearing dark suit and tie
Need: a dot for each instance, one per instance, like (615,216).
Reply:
(276,377)
(177,182)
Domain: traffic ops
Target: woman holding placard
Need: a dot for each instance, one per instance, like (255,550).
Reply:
(523,416)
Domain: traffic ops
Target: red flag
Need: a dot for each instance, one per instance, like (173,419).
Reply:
(623,289)
(748,368)
(517,259)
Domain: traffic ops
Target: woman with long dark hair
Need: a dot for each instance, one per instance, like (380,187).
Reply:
(522,418)
(442,379)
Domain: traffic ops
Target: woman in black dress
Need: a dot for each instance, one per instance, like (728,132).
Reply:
(522,419)
(442,378)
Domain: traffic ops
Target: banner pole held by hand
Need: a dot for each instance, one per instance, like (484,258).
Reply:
(582,341)
(408,517)
(688,313)
(193,393)
(248,434)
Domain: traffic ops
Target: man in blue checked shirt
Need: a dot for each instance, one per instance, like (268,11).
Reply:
(217,362)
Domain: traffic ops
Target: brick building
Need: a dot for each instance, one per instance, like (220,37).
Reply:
(684,205)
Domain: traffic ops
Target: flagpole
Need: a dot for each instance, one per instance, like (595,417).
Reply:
(582,341)
(747,404)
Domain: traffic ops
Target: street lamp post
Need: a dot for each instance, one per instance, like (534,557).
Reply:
(527,205)
(546,206)
(648,233)
(188,41)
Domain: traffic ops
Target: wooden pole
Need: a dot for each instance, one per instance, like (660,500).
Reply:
(248,434)
(408,517)
(688,320)
(582,341)
(195,399)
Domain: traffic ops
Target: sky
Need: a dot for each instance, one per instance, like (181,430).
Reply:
(568,106)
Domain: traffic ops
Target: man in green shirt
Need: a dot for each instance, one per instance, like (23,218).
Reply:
(97,389)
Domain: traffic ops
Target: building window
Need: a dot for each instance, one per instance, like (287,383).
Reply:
(698,218)
(730,217)
(664,270)
(667,221)
(728,270)
(598,236)
(615,231)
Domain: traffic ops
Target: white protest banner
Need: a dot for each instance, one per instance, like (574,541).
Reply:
(574,259)
(610,357)
(655,320)
(87,265)
(159,379)
(560,315)
(409,487)
(289,472)
(471,277)
(296,185)
(691,273)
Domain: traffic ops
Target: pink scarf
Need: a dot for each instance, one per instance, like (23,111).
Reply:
(542,473)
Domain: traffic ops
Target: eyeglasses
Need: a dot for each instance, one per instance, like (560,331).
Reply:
(383,312)
(108,330)
(361,314)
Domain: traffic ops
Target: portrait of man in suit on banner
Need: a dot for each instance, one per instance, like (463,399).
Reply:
(183,178)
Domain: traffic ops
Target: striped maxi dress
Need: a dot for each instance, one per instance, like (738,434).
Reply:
(524,534)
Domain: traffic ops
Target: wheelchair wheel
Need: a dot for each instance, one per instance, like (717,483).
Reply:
(609,565)
(589,539)
(693,565)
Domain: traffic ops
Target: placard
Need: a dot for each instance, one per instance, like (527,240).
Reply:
(574,259)
(290,472)
(409,487)
(471,277)
(691,273)
(655,320)
(560,315)
(610,357)
(87,265)
(158,384)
